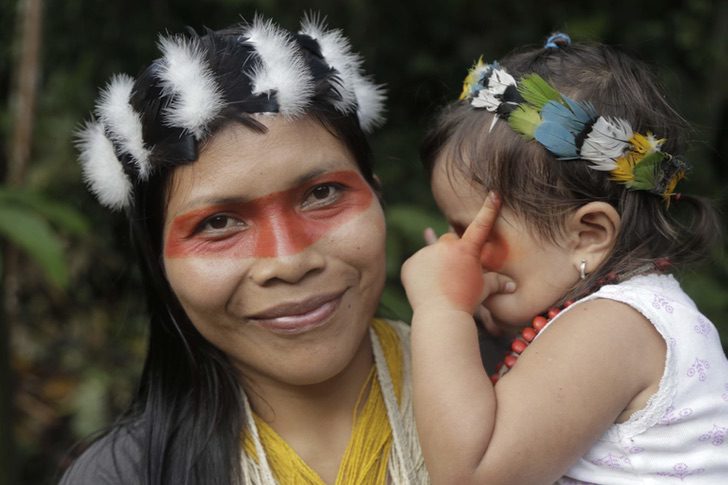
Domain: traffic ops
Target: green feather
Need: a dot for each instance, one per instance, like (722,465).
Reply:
(524,120)
(647,171)
(537,92)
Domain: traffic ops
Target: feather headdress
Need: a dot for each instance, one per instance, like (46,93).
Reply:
(188,81)
(275,76)
(282,70)
(573,130)
(357,92)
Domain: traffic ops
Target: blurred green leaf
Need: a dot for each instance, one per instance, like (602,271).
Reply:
(31,233)
(410,221)
(60,215)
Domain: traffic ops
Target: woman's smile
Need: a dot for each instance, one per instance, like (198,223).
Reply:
(297,317)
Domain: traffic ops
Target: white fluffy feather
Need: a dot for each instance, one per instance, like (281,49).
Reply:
(185,76)
(336,50)
(370,99)
(356,90)
(607,141)
(123,123)
(102,171)
(281,69)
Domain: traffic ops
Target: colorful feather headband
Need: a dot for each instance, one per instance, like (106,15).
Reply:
(573,130)
(113,153)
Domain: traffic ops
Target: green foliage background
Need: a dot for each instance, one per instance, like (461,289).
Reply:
(76,352)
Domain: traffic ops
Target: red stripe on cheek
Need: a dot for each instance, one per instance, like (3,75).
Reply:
(495,252)
(275,224)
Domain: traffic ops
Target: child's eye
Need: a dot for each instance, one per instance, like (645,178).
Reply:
(220,224)
(322,195)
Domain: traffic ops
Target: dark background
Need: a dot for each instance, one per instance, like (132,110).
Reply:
(72,321)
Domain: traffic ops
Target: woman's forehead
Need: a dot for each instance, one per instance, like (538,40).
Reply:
(243,164)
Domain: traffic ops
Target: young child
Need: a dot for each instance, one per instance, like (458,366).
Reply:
(618,378)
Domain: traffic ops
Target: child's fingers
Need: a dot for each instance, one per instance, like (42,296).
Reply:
(478,231)
(430,236)
(497,283)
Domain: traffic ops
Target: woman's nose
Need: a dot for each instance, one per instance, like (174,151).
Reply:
(287,268)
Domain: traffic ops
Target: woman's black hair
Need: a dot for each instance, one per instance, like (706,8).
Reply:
(543,190)
(187,416)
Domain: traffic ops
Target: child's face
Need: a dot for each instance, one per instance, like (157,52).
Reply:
(543,271)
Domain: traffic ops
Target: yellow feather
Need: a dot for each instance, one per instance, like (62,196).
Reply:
(470,79)
(624,172)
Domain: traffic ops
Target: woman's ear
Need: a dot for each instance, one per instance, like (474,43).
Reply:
(592,231)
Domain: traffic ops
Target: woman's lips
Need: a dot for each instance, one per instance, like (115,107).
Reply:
(298,317)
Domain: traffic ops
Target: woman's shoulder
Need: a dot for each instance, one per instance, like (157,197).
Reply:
(115,458)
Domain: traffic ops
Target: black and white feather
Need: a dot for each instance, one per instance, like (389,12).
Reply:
(186,78)
(356,91)
(490,96)
(102,170)
(281,70)
(123,124)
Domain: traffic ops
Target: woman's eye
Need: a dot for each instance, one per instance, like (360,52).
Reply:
(220,223)
(321,192)
(322,195)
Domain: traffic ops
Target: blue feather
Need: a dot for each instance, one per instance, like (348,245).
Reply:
(583,111)
(561,114)
(557,139)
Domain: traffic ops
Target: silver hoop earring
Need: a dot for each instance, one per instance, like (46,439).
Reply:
(582,269)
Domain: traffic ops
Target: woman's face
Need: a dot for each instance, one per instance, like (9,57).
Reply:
(274,245)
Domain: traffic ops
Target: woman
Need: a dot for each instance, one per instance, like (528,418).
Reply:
(241,160)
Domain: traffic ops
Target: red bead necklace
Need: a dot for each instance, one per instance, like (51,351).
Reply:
(526,336)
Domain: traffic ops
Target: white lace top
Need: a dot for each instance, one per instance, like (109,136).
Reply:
(680,436)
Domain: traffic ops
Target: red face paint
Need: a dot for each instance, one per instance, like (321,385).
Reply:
(494,253)
(276,224)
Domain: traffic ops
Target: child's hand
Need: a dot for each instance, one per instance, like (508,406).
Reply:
(482,315)
(448,273)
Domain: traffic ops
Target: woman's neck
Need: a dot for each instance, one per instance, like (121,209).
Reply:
(315,420)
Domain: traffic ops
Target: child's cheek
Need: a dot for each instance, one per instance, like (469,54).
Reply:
(494,253)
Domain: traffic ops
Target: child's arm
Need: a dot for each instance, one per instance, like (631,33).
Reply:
(564,392)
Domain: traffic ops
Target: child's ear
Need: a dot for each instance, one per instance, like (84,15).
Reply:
(592,232)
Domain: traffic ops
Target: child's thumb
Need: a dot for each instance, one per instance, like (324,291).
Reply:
(494,283)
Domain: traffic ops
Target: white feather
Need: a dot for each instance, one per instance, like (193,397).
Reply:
(607,141)
(356,90)
(337,53)
(185,77)
(370,99)
(123,123)
(102,171)
(486,99)
(499,81)
(490,96)
(281,69)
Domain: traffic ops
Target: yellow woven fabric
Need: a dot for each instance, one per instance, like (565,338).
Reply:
(367,454)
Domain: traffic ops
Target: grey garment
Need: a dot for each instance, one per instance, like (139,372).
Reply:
(114,459)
